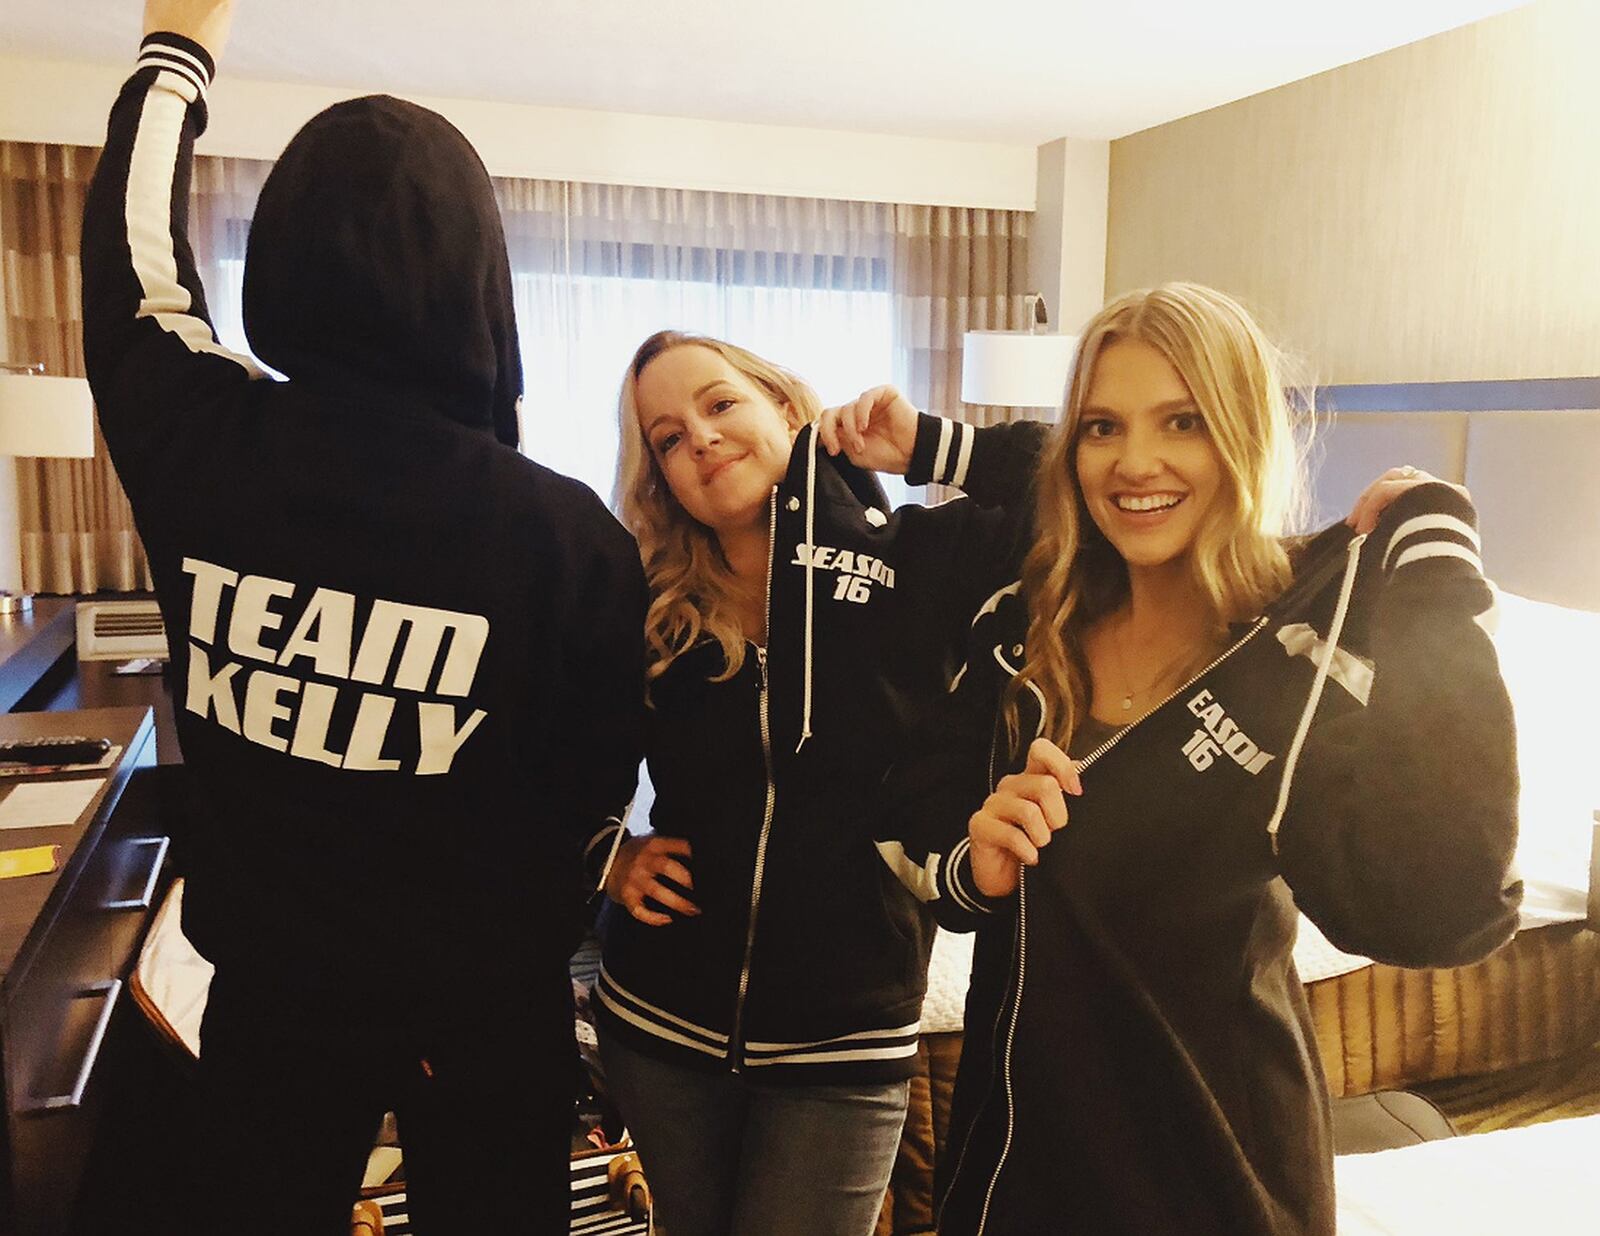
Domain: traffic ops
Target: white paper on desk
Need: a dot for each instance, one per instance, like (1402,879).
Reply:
(47,804)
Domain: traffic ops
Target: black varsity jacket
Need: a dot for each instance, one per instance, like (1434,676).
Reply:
(1139,1054)
(408,661)
(809,960)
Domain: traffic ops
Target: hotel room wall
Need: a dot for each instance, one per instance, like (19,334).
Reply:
(66,101)
(1428,214)
(1067,245)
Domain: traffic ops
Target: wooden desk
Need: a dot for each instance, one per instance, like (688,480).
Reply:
(95,684)
(67,943)
(31,643)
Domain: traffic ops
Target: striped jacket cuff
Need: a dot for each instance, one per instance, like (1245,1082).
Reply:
(189,64)
(958,885)
(1428,524)
(943,451)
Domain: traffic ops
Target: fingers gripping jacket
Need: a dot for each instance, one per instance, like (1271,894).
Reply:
(1324,664)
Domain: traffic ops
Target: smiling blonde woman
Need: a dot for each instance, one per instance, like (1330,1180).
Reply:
(760,995)
(1242,724)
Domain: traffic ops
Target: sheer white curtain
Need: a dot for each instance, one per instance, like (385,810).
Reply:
(222,200)
(847,294)
(598,268)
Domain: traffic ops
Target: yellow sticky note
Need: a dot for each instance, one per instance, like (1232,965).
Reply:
(35,860)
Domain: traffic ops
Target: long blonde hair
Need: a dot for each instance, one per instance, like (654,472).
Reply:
(693,592)
(1073,576)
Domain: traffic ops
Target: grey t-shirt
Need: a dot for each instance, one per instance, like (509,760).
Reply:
(1091,732)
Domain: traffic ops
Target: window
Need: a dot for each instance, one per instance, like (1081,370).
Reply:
(579,333)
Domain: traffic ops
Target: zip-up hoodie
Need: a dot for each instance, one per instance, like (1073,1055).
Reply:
(1139,1055)
(407,661)
(808,962)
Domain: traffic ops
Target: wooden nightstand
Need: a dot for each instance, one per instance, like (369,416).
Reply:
(67,943)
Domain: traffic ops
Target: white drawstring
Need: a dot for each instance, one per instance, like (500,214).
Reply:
(1324,663)
(811,551)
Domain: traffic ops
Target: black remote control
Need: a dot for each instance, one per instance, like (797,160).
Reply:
(66,749)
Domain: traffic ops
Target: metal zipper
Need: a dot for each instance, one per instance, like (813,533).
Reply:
(736,1040)
(1022,923)
(994,1043)
(1221,657)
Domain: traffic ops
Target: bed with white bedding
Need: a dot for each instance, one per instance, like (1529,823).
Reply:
(1538,1179)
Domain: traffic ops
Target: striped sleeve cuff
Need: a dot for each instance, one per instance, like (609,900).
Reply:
(190,65)
(956,877)
(943,451)
(1428,524)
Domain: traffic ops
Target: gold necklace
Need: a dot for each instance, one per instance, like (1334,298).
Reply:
(1184,657)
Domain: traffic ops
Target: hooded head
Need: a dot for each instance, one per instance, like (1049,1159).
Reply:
(377,261)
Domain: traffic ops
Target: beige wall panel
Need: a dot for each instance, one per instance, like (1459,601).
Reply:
(1352,449)
(1532,477)
(1429,214)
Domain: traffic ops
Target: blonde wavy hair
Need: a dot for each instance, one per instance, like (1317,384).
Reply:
(1073,576)
(693,592)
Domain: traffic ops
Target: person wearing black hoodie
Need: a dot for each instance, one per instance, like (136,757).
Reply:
(407,660)
(1200,727)
(759,1001)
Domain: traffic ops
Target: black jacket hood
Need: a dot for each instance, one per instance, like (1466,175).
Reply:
(377,264)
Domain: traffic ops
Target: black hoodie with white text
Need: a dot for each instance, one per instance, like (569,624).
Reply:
(808,962)
(407,660)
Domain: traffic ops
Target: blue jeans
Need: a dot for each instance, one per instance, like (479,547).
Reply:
(728,1156)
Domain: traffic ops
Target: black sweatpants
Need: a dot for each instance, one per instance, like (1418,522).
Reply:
(292,1092)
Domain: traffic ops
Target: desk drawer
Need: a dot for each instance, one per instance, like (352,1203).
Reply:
(56,1022)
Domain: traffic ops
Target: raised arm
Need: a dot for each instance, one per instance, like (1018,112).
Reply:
(994,466)
(882,431)
(153,359)
(1400,824)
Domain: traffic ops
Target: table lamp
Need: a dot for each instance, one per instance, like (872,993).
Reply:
(40,417)
(1017,368)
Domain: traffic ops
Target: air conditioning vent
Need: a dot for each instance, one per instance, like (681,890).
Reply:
(120,631)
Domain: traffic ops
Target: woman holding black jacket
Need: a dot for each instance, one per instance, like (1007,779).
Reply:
(760,998)
(1198,726)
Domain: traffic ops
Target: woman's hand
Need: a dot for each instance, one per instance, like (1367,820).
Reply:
(204,21)
(636,875)
(1019,818)
(877,431)
(1377,496)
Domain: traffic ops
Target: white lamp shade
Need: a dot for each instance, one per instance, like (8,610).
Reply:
(46,416)
(1013,369)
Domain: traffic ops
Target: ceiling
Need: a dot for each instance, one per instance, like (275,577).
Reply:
(1024,71)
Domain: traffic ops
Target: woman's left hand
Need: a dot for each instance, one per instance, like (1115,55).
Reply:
(877,431)
(1376,497)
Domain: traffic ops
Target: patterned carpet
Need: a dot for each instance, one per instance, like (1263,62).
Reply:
(1529,1095)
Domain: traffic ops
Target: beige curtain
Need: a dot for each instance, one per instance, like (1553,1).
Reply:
(955,269)
(77,530)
